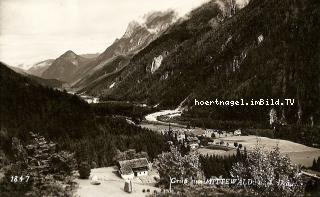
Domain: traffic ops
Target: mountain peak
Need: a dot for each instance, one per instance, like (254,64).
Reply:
(132,26)
(69,54)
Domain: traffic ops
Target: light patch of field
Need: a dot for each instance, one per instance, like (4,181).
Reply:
(207,151)
(298,153)
(160,126)
(111,185)
(268,143)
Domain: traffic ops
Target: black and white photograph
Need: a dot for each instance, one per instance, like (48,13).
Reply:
(159,98)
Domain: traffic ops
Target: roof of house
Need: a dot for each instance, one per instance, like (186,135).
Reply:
(126,166)
(192,139)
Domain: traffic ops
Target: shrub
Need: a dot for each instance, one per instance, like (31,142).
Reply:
(84,170)
(273,172)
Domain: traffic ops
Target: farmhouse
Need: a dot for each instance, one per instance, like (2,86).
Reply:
(180,135)
(192,142)
(237,132)
(208,133)
(128,169)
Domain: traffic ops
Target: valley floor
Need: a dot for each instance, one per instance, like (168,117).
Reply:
(298,153)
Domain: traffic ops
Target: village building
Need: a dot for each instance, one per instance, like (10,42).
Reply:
(192,142)
(237,132)
(180,135)
(90,99)
(208,133)
(129,169)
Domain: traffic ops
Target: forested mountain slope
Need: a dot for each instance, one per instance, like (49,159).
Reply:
(269,49)
(26,106)
(114,58)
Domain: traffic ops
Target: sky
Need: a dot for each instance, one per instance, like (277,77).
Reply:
(36,30)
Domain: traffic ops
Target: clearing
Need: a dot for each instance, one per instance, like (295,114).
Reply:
(112,185)
(298,153)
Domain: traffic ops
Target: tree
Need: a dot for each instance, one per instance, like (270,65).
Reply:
(314,165)
(220,132)
(63,164)
(238,155)
(273,173)
(273,116)
(3,159)
(213,135)
(175,165)
(84,170)
(50,171)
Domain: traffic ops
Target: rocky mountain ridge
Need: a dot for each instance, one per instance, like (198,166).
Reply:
(216,53)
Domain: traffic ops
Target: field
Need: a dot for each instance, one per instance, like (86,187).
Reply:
(111,185)
(298,153)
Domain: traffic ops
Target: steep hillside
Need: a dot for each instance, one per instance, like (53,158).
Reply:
(137,36)
(52,83)
(67,120)
(93,83)
(145,64)
(28,106)
(269,49)
(64,67)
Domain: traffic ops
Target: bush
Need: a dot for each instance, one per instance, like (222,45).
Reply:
(84,170)
(275,174)
(51,178)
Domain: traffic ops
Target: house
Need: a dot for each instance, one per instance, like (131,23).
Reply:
(128,169)
(180,136)
(208,133)
(237,132)
(90,99)
(192,142)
